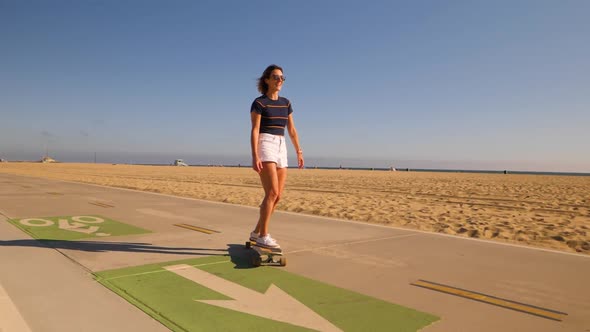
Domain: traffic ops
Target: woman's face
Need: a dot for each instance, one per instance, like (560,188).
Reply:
(275,81)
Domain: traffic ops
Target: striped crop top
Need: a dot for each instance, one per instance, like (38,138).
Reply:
(275,114)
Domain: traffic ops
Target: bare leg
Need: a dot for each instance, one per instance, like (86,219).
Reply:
(270,184)
(282,176)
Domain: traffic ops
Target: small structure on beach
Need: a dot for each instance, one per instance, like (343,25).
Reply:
(3,160)
(47,159)
(180,162)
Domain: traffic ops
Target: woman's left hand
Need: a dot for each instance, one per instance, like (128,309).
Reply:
(300,161)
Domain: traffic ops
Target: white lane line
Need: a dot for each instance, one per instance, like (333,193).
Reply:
(10,317)
(352,243)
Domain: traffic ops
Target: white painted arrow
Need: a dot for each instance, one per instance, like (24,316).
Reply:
(275,304)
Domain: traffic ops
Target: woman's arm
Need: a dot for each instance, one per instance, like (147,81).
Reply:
(295,140)
(256,163)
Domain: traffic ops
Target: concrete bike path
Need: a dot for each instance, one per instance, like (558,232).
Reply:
(43,290)
(382,262)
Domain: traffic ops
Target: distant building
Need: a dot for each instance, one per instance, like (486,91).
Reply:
(3,160)
(48,159)
(180,162)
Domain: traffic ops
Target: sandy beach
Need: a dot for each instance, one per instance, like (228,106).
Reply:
(538,210)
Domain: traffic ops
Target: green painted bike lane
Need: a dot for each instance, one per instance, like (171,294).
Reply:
(74,227)
(177,302)
(223,293)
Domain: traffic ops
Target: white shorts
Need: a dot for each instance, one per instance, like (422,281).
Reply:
(272,148)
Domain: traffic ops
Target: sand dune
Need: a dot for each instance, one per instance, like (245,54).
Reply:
(538,210)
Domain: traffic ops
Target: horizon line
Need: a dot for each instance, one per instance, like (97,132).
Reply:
(340,167)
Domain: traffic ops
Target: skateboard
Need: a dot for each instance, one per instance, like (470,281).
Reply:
(266,256)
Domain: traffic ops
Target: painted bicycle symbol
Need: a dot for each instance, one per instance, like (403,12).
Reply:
(80,224)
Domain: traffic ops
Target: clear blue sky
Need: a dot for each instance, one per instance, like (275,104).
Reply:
(457,84)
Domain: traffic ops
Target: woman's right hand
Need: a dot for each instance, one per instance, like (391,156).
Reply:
(256,164)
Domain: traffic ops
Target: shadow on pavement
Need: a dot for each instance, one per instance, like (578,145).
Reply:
(240,256)
(94,246)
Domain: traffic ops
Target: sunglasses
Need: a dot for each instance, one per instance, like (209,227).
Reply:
(278,77)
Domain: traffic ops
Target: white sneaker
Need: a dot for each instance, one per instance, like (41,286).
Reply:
(267,242)
(253,236)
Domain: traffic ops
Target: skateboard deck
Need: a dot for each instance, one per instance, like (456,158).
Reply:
(266,256)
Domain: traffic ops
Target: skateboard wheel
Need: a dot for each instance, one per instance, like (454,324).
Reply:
(283,261)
